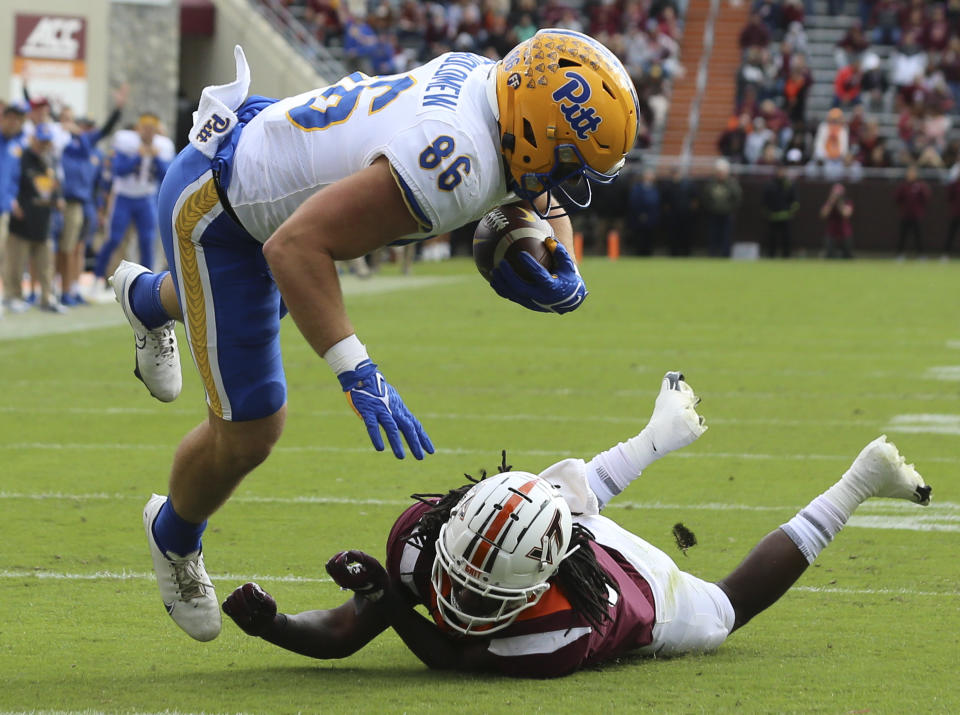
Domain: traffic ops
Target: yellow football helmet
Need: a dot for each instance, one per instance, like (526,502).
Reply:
(568,115)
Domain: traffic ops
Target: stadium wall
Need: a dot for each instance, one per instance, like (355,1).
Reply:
(276,68)
(876,217)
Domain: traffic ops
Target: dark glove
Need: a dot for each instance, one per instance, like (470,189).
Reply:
(358,572)
(251,608)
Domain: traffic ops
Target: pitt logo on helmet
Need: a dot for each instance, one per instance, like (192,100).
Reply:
(568,117)
(580,118)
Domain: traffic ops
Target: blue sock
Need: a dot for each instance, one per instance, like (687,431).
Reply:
(173,533)
(145,300)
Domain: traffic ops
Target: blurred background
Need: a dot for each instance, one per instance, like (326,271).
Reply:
(771,128)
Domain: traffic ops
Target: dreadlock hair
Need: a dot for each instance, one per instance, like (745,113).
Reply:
(580,577)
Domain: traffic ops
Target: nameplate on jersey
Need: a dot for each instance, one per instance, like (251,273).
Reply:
(442,90)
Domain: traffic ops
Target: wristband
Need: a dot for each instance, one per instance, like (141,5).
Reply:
(346,354)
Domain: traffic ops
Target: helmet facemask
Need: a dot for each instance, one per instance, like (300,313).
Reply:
(472,607)
(496,553)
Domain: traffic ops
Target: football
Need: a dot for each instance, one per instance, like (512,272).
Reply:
(505,233)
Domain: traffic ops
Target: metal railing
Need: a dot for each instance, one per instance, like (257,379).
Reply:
(300,37)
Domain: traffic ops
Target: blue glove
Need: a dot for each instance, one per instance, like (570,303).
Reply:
(558,293)
(378,404)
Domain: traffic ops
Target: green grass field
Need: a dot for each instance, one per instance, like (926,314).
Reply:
(799,365)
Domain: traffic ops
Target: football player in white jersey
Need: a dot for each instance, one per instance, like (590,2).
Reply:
(270,193)
(522,575)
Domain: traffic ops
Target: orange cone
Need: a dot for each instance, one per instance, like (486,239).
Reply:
(578,246)
(613,245)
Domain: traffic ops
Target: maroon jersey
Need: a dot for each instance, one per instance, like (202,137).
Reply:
(550,638)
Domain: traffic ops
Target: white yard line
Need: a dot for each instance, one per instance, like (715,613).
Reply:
(288,578)
(941,510)
(128,446)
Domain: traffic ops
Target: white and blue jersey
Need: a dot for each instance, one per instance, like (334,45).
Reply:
(436,125)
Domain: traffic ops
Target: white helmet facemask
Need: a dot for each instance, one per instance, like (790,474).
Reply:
(502,543)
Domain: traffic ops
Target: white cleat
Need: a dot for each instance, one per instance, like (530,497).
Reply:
(882,470)
(185,587)
(157,357)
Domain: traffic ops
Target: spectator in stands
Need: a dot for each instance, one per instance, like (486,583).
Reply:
(679,203)
(38,195)
(720,199)
(569,21)
(907,66)
(359,42)
(868,139)
(797,37)
(853,44)
(796,87)
(525,28)
(757,140)
(885,21)
(837,211)
(873,79)
(912,197)
(909,124)
(777,121)
(936,32)
(792,15)
(950,69)
(846,86)
(770,14)
(913,20)
(643,211)
(756,33)
(856,126)
(936,126)
(781,205)
(831,143)
(732,143)
(756,78)
(927,156)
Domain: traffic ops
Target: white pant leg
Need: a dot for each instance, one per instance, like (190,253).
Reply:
(692,614)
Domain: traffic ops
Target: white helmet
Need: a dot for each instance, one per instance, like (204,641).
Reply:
(504,540)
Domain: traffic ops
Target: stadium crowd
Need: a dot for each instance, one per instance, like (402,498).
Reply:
(899,58)
(388,36)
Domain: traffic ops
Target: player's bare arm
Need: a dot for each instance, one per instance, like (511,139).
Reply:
(324,634)
(339,632)
(562,228)
(345,220)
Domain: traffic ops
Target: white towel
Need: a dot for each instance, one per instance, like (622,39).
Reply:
(216,116)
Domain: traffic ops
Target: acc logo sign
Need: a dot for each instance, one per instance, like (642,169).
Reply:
(215,125)
(572,96)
